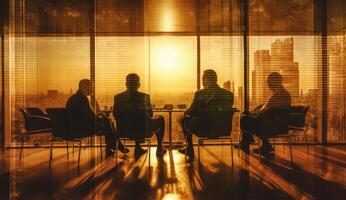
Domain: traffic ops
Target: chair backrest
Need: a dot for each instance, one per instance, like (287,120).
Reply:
(134,122)
(298,115)
(59,122)
(275,121)
(34,111)
(35,119)
(218,122)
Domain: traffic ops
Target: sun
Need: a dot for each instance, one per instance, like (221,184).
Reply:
(171,62)
(166,58)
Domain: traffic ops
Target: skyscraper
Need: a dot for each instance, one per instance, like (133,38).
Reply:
(260,91)
(282,54)
(337,94)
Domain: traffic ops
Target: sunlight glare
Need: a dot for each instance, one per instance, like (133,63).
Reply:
(167,20)
(167,57)
(171,196)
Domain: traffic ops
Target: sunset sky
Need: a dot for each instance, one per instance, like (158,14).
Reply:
(165,63)
(170,62)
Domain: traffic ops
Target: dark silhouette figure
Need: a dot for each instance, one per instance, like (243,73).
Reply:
(134,116)
(257,122)
(198,117)
(85,122)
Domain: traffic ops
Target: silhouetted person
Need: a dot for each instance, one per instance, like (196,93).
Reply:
(133,113)
(85,122)
(255,122)
(196,118)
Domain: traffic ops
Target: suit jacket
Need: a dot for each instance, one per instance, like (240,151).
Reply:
(211,99)
(132,111)
(81,117)
(273,116)
(206,107)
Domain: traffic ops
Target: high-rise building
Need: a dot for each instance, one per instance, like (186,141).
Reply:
(262,68)
(337,94)
(337,61)
(291,79)
(282,54)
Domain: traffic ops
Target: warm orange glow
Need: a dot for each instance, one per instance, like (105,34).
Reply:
(167,22)
(172,61)
(171,196)
(167,56)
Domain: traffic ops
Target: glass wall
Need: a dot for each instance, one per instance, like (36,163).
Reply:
(297,59)
(169,44)
(336,12)
(224,54)
(46,72)
(165,64)
(1,89)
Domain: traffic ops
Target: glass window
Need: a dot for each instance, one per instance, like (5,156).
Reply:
(337,84)
(336,13)
(224,55)
(298,60)
(50,16)
(1,90)
(50,52)
(45,72)
(165,64)
(281,17)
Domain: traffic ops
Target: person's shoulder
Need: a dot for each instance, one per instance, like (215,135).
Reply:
(70,100)
(286,93)
(71,97)
(201,91)
(142,94)
(119,95)
(76,99)
(77,96)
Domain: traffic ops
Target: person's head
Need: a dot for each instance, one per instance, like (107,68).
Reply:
(209,78)
(132,82)
(274,81)
(86,86)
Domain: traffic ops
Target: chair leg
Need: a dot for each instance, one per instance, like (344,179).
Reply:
(21,149)
(149,149)
(125,148)
(306,142)
(260,151)
(238,143)
(51,151)
(101,146)
(274,143)
(67,149)
(73,147)
(290,146)
(198,150)
(185,149)
(231,149)
(116,151)
(80,147)
(283,144)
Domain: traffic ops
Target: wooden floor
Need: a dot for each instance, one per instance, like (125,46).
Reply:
(319,175)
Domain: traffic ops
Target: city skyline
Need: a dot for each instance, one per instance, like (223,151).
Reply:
(220,53)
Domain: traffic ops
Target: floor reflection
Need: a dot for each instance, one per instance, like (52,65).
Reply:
(319,175)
